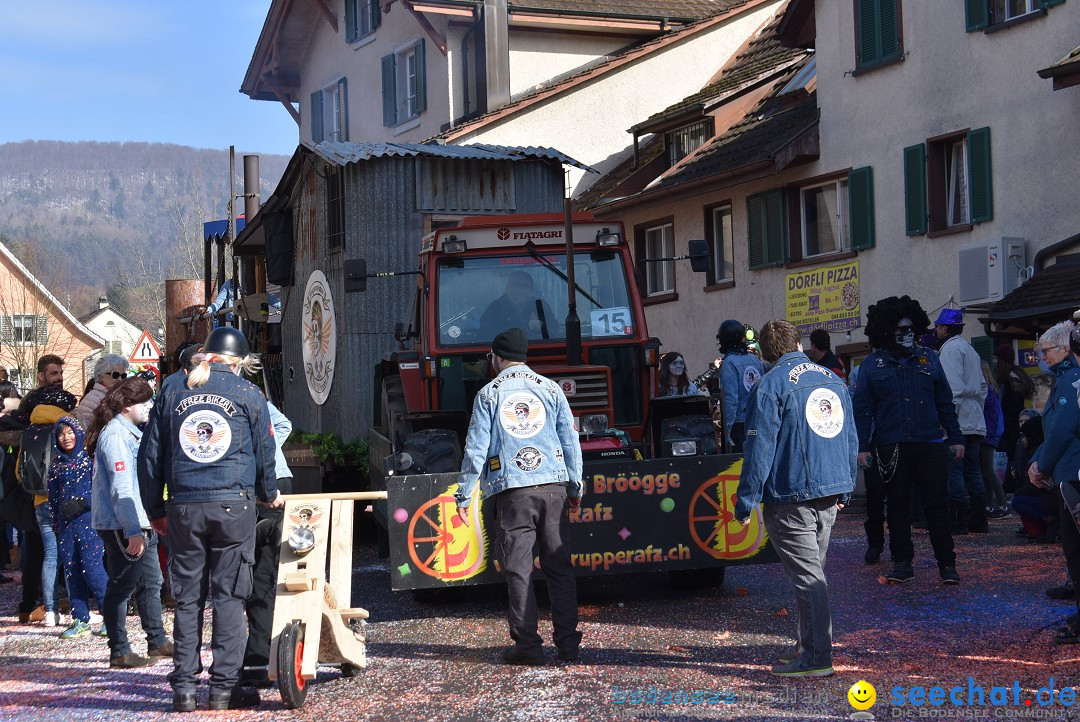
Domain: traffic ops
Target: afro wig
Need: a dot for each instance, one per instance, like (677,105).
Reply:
(883,317)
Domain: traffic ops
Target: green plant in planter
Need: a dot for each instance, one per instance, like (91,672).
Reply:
(330,448)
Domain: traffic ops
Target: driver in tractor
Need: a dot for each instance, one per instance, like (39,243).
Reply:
(520,307)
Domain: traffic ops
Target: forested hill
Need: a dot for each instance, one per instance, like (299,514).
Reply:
(90,216)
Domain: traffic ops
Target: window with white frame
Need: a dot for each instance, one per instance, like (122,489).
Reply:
(1002,10)
(720,244)
(361,18)
(681,142)
(825,222)
(660,243)
(956,185)
(329,112)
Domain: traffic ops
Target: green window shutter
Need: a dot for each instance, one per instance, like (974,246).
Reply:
(421,71)
(350,20)
(376,16)
(316,117)
(766,228)
(389,91)
(976,14)
(915,189)
(1051,3)
(869,42)
(343,109)
(888,29)
(980,185)
(984,346)
(755,230)
(861,207)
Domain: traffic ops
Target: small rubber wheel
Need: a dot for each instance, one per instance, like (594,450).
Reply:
(291,684)
(349,670)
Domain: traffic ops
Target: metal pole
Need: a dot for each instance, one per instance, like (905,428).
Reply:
(573,323)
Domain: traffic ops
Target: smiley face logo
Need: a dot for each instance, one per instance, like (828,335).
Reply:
(862,695)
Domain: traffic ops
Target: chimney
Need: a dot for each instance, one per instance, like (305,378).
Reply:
(102,302)
(497,53)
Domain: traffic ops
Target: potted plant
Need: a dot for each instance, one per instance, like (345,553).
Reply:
(344,464)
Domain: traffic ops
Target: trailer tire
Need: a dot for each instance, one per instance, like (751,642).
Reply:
(433,451)
(291,684)
(393,409)
(706,578)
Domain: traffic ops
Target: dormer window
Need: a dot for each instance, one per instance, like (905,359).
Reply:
(683,141)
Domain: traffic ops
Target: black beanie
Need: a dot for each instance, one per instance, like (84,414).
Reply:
(511,345)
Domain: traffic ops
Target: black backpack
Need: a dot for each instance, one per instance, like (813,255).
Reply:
(35,454)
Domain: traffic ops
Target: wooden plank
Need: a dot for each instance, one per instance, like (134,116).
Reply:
(341,551)
(354,495)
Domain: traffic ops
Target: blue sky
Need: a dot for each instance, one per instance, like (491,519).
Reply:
(136,70)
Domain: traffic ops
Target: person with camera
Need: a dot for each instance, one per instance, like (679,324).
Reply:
(212,444)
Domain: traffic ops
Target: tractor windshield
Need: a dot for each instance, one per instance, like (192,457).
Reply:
(478,297)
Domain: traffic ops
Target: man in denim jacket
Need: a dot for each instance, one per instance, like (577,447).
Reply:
(799,462)
(902,402)
(523,449)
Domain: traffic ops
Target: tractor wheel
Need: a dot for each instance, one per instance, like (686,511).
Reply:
(433,451)
(292,685)
(697,578)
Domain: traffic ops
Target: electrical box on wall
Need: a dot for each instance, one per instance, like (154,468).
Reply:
(989,270)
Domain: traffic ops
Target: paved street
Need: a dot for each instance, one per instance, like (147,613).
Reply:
(643,640)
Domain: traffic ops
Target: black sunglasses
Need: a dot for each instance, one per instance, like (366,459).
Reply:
(119,374)
(904,329)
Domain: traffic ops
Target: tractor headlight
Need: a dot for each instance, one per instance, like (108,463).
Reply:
(686,447)
(592,424)
(301,540)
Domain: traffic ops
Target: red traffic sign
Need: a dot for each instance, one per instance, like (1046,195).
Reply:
(146,351)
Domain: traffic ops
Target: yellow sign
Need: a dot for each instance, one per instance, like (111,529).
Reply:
(825,298)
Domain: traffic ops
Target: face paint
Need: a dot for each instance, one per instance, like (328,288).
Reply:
(678,366)
(142,411)
(905,333)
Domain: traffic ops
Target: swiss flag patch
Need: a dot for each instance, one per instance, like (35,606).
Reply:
(119,466)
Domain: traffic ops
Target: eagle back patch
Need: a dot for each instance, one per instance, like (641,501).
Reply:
(205,436)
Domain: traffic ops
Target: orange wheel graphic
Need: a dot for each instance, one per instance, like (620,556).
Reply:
(712,521)
(436,529)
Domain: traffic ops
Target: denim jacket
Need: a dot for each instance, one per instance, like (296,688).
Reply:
(521,434)
(738,374)
(1059,455)
(282,429)
(800,437)
(214,442)
(904,400)
(115,501)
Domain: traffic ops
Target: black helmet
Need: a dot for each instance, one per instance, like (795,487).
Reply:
(731,335)
(226,340)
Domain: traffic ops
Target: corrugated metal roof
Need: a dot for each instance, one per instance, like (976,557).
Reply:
(340,153)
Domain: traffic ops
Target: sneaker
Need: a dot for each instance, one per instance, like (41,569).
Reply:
(901,573)
(102,632)
(796,668)
(949,575)
(238,698)
(96,618)
(52,619)
(128,661)
(873,554)
(514,654)
(789,656)
(78,628)
(1065,591)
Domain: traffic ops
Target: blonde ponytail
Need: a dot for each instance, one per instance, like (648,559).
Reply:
(200,374)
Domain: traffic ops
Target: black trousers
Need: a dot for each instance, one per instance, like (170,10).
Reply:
(1070,540)
(922,467)
(17,507)
(536,517)
(260,605)
(875,507)
(219,537)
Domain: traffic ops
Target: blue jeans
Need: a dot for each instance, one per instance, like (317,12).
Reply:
(48,567)
(965,476)
(800,535)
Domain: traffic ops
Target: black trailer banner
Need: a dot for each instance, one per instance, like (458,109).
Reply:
(636,516)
